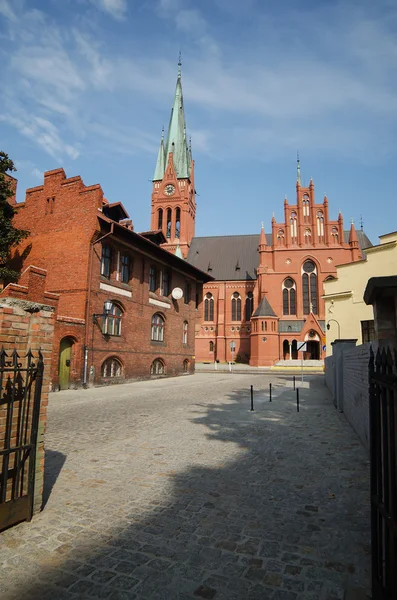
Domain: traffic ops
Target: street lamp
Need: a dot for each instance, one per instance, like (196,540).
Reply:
(329,326)
(107,307)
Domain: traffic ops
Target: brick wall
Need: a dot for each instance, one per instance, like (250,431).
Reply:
(27,319)
(355,388)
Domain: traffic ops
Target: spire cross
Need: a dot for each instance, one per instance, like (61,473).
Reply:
(179,63)
(298,168)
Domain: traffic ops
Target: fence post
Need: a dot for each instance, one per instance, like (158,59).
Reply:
(297,400)
(252,397)
(270,391)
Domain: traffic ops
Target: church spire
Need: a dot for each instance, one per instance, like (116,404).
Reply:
(176,136)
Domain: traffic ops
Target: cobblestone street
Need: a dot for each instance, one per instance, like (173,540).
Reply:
(160,489)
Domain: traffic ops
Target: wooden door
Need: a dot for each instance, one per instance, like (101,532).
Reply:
(64,363)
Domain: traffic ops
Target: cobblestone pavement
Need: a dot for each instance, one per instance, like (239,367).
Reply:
(162,489)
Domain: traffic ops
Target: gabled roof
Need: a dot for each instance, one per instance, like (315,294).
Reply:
(230,257)
(236,257)
(264,309)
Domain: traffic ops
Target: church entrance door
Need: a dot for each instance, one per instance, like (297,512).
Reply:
(313,350)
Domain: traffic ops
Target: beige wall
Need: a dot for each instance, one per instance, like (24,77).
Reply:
(344,295)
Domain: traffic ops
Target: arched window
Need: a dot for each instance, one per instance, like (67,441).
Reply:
(112,321)
(157,367)
(289,297)
(249,305)
(111,367)
(157,328)
(335,235)
(209,307)
(160,219)
(211,346)
(263,326)
(306,208)
(185,326)
(320,225)
(178,223)
(186,366)
(152,279)
(169,217)
(280,237)
(309,288)
(236,307)
(294,228)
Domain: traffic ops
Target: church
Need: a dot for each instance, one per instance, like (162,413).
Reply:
(266,295)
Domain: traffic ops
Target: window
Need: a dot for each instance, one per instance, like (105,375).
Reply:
(335,235)
(152,279)
(178,223)
(169,217)
(157,328)
(157,367)
(164,283)
(185,326)
(294,229)
(236,307)
(112,321)
(186,366)
(209,307)
(306,208)
(212,345)
(289,297)
(105,261)
(187,294)
(309,288)
(368,331)
(249,305)
(125,268)
(112,367)
(320,226)
(160,219)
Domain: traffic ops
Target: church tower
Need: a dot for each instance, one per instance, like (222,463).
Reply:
(173,195)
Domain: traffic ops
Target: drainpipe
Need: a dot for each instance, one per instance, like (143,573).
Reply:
(87,312)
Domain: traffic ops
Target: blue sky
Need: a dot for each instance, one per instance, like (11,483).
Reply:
(88,85)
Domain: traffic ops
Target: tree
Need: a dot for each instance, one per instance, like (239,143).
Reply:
(10,236)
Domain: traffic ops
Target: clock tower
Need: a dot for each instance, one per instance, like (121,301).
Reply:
(173,195)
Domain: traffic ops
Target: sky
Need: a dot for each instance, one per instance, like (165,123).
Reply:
(88,84)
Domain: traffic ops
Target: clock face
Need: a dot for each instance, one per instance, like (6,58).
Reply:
(169,189)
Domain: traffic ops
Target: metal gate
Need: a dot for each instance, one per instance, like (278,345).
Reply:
(20,392)
(383,433)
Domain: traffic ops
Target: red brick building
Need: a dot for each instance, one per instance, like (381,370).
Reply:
(267,289)
(117,318)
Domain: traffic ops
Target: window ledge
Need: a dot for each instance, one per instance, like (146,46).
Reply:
(115,283)
(156,343)
(159,297)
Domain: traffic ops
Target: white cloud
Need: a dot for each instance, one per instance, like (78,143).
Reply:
(116,8)
(191,21)
(6,11)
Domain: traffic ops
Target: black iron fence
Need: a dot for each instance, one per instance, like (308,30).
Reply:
(383,433)
(20,394)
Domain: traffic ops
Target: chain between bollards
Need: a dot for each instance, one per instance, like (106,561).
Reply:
(297,400)
(270,392)
(252,397)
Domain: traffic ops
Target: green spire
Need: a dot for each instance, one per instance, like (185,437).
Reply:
(176,138)
(160,165)
(298,167)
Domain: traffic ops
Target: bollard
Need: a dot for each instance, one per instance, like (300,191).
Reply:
(252,397)
(270,391)
(297,400)
(294,382)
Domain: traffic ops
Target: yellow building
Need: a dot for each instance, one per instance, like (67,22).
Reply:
(347,316)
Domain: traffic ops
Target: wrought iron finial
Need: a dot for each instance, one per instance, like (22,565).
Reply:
(180,64)
(298,168)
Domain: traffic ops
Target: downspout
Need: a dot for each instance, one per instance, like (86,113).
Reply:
(87,312)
